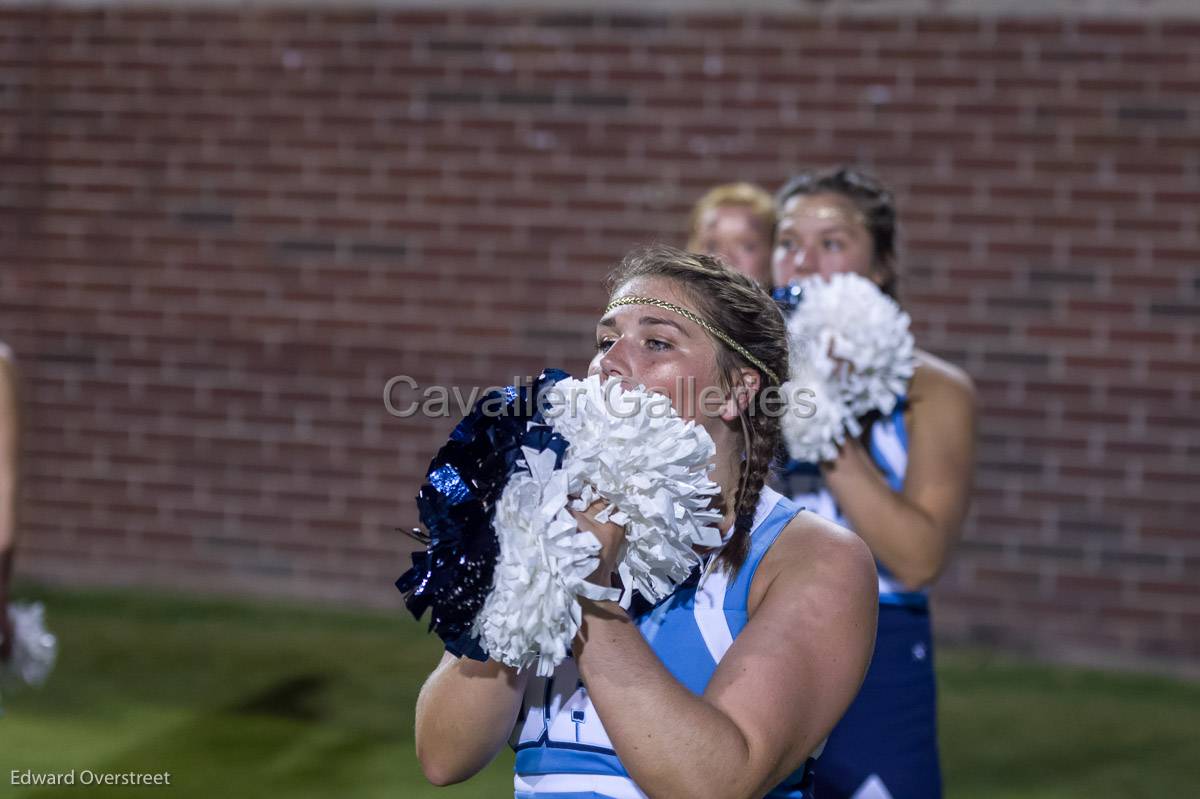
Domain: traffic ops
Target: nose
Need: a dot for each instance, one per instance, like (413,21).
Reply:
(615,362)
(805,261)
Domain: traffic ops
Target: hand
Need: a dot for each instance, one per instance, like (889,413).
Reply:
(611,537)
(850,451)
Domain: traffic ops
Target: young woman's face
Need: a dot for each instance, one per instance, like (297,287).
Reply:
(659,349)
(732,233)
(821,234)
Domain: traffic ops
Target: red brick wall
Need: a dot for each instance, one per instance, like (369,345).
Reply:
(223,231)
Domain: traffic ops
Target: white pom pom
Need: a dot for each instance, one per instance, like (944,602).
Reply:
(34,648)
(532,612)
(858,337)
(850,345)
(817,420)
(630,447)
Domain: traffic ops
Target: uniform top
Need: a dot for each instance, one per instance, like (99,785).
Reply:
(563,751)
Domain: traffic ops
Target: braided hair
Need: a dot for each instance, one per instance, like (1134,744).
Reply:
(736,305)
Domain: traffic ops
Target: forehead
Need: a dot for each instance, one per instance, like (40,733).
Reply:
(727,216)
(659,288)
(821,211)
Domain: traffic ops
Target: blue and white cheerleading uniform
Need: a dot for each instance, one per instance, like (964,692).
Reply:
(562,749)
(885,747)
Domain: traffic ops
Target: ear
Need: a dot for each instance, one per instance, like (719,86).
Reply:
(746,383)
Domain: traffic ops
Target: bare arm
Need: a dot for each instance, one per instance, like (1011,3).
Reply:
(914,531)
(776,694)
(465,712)
(10,429)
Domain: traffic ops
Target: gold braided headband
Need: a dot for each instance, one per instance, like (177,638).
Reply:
(686,314)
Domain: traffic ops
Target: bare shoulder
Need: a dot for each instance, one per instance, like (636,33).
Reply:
(816,553)
(939,380)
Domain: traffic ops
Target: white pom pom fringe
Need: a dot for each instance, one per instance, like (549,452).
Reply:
(851,345)
(630,448)
(532,613)
(817,421)
(34,648)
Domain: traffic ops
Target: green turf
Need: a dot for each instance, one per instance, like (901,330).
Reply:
(251,700)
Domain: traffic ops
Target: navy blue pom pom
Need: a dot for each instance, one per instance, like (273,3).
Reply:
(453,575)
(787,297)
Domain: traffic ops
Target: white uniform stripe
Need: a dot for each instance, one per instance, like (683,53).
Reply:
(767,500)
(709,607)
(608,785)
(890,585)
(709,611)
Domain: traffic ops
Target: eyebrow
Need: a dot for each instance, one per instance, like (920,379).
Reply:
(608,321)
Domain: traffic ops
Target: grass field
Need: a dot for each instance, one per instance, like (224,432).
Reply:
(249,700)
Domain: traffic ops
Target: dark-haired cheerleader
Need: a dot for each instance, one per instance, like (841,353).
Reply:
(903,487)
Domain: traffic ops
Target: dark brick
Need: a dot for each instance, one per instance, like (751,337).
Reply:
(568,21)
(1175,309)
(1053,277)
(1150,113)
(378,249)
(999,358)
(1115,559)
(456,46)
(1057,553)
(1019,303)
(306,246)
(525,98)
(450,97)
(599,100)
(205,218)
(639,22)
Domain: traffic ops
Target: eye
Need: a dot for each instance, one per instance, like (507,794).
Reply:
(833,245)
(657,345)
(603,344)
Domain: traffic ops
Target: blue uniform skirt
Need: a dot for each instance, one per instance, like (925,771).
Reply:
(885,747)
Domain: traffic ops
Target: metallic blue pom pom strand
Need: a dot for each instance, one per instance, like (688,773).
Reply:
(452,576)
(787,297)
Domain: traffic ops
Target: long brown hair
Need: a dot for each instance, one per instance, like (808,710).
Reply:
(736,305)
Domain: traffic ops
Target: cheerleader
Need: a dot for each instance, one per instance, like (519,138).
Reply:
(903,486)
(735,222)
(728,686)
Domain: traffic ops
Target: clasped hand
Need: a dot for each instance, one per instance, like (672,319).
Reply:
(611,537)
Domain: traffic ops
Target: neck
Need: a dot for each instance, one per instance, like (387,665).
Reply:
(728,475)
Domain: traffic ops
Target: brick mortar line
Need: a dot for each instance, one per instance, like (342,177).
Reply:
(1119,9)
